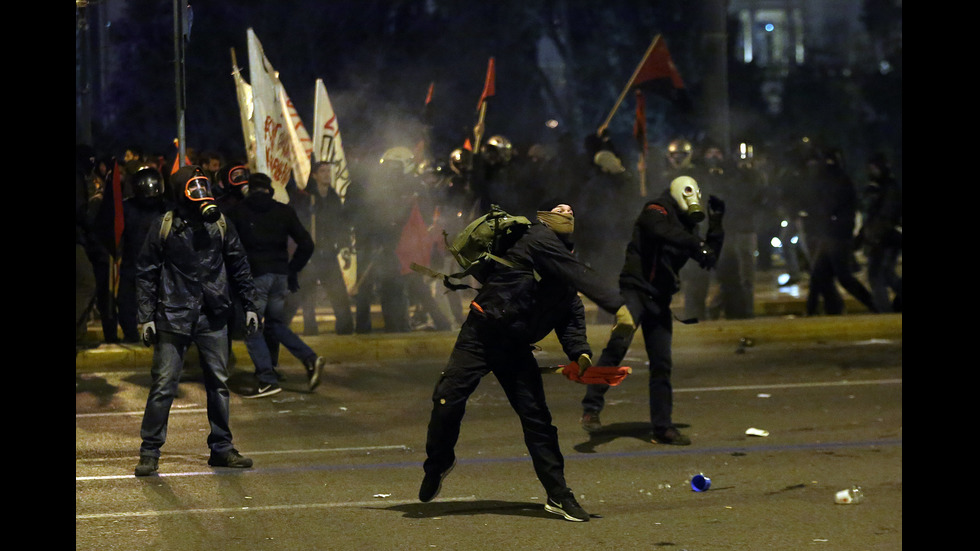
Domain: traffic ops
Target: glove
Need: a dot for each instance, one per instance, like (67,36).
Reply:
(716,207)
(251,323)
(706,257)
(584,362)
(292,281)
(624,323)
(148,332)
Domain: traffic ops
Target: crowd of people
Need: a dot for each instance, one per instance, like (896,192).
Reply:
(828,224)
(204,255)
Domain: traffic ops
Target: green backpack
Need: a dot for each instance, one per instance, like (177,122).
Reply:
(479,244)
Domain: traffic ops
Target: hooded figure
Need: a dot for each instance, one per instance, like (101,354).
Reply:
(519,304)
(192,194)
(664,238)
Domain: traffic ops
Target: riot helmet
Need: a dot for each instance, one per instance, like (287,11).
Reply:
(679,153)
(608,162)
(401,157)
(687,193)
(147,184)
(461,161)
(497,150)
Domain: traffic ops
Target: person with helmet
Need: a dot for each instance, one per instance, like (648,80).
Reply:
(743,188)
(679,157)
(189,263)
(881,232)
(265,227)
(493,181)
(664,238)
(147,203)
(608,194)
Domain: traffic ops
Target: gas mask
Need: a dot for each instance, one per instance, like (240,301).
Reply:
(686,192)
(238,179)
(198,191)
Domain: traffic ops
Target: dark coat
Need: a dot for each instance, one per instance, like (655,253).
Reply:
(531,309)
(662,243)
(189,272)
(265,226)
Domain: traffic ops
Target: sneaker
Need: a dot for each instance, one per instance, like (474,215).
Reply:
(670,436)
(146,466)
(264,390)
(432,483)
(313,369)
(591,422)
(231,459)
(567,507)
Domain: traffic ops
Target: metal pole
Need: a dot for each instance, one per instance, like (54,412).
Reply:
(179,27)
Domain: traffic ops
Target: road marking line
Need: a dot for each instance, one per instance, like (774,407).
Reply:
(701,389)
(244,509)
(792,385)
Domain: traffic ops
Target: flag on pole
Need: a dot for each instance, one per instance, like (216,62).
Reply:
(489,86)
(327,143)
(422,147)
(176,165)
(414,245)
(640,133)
(299,139)
(246,111)
(658,74)
(273,147)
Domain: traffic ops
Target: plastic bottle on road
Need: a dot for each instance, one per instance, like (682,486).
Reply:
(850,495)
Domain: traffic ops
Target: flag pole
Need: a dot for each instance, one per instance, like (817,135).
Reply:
(622,95)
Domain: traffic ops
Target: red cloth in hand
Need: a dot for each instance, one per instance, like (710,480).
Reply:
(596,375)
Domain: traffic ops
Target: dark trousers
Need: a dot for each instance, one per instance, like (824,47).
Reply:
(479,351)
(655,321)
(832,263)
(168,363)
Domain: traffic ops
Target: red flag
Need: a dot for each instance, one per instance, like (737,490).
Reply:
(414,245)
(640,124)
(427,108)
(489,87)
(177,158)
(657,73)
(117,206)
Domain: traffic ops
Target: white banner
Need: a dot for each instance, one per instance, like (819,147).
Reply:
(327,145)
(246,111)
(300,140)
(273,149)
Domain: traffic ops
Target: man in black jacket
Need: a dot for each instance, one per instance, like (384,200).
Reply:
(516,307)
(664,238)
(182,292)
(265,226)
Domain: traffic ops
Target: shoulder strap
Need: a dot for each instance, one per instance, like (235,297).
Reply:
(168,221)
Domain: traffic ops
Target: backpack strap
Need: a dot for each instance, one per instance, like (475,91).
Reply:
(168,222)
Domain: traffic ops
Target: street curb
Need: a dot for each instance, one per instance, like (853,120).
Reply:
(404,346)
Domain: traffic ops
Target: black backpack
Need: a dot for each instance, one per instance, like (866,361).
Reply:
(479,244)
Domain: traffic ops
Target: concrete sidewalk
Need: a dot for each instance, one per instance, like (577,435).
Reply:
(779,316)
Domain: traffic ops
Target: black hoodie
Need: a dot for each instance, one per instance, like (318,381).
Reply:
(265,226)
(663,239)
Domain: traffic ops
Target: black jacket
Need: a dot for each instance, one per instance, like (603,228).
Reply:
(265,226)
(526,309)
(189,272)
(662,243)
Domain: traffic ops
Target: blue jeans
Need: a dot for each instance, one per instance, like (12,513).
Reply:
(168,362)
(271,291)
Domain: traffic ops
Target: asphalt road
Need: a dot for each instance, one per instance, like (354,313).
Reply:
(339,468)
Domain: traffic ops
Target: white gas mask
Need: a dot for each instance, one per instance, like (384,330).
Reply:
(686,192)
